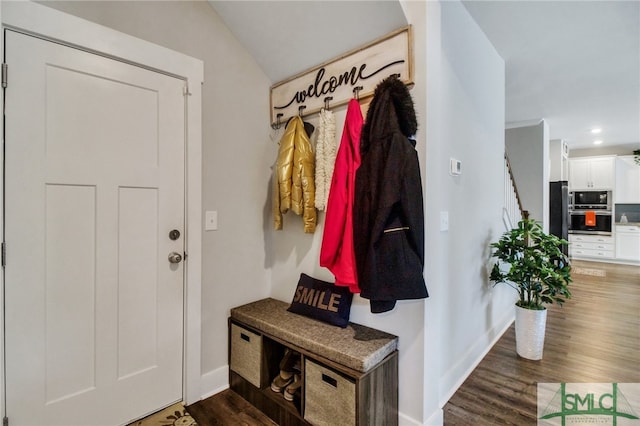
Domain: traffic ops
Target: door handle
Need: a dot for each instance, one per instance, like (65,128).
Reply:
(175,257)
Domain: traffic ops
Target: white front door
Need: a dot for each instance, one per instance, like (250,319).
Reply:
(94,186)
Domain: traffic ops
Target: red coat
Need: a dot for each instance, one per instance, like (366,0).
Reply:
(337,252)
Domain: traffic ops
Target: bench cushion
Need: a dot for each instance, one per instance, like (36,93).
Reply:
(356,346)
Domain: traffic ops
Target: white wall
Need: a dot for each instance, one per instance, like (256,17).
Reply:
(237,154)
(528,150)
(465,101)
(558,161)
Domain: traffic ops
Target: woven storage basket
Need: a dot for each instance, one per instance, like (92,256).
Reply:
(246,353)
(330,398)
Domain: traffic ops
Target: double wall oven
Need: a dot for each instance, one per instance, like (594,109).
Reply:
(590,212)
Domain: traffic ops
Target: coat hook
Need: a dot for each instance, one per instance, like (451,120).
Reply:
(300,109)
(356,91)
(326,101)
(278,123)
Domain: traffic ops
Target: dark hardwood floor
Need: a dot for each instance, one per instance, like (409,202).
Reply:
(595,337)
(227,408)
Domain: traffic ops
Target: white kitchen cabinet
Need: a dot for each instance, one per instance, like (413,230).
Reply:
(579,173)
(627,189)
(591,246)
(597,173)
(628,242)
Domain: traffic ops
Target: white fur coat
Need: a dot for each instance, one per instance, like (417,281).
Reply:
(326,148)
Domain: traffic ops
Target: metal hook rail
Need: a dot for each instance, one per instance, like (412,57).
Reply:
(278,123)
(301,108)
(356,92)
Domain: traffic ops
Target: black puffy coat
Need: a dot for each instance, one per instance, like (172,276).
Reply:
(388,214)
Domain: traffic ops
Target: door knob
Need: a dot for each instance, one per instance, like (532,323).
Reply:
(175,257)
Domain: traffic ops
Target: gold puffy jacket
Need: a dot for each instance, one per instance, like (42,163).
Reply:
(294,186)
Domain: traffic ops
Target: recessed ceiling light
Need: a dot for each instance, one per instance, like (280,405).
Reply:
(598,142)
(596,130)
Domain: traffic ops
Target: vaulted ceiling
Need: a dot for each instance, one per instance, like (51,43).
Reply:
(287,37)
(574,63)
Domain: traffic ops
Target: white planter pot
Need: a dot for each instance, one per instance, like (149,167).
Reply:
(530,329)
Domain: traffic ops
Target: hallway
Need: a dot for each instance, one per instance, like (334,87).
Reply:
(593,338)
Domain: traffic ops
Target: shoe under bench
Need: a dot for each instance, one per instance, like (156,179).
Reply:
(350,375)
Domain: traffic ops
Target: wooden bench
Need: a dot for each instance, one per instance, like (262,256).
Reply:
(350,375)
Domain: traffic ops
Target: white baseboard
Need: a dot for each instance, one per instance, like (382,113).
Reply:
(453,379)
(404,420)
(214,381)
(436,419)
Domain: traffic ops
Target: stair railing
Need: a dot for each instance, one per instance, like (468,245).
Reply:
(513,211)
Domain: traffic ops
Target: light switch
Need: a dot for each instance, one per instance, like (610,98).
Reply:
(444,221)
(211,220)
(455,167)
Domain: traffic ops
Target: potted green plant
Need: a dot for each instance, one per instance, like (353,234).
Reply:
(532,262)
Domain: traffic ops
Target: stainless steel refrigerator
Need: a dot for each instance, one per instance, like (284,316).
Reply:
(559,218)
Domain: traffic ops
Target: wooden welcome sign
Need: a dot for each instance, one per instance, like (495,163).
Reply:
(361,68)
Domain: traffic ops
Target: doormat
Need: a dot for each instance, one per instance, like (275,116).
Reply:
(175,415)
(589,271)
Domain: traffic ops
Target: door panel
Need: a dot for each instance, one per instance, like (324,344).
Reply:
(93,102)
(137,238)
(70,282)
(94,183)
